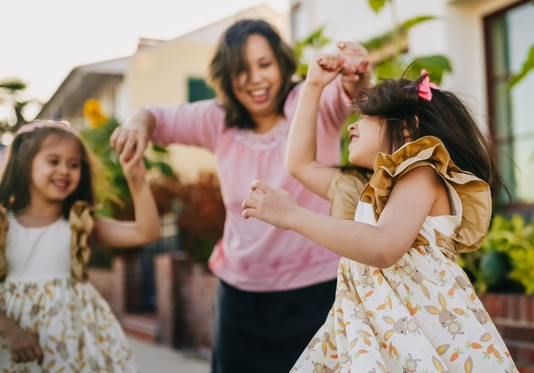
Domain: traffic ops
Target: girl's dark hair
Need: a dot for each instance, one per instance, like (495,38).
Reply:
(15,181)
(229,61)
(445,116)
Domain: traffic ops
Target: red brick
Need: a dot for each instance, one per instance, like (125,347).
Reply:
(529,308)
(525,369)
(499,306)
(508,332)
(514,350)
(488,300)
(514,307)
(526,354)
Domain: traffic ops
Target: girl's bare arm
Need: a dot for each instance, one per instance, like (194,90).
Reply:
(301,152)
(145,228)
(381,246)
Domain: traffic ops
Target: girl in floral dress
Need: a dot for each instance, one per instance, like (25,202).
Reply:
(51,318)
(402,304)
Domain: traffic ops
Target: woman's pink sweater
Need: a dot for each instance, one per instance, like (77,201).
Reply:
(253,255)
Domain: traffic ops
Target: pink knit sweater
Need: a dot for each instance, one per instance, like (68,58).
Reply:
(253,255)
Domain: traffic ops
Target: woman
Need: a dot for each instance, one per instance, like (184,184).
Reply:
(276,287)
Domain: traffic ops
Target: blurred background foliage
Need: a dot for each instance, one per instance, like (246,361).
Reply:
(505,261)
(112,188)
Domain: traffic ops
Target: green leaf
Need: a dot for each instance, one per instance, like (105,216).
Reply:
(377,5)
(163,167)
(435,65)
(525,69)
(416,20)
(380,41)
(315,40)
(159,149)
(13,85)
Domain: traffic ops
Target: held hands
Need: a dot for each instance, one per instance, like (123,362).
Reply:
(130,143)
(356,61)
(131,139)
(23,346)
(352,62)
(273,206)
(323,69)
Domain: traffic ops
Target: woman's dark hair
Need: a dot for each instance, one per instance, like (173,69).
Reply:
(229,61)
(445,116)
(15,181)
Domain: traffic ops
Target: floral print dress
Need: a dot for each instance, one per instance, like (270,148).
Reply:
(77,330)
(420,315)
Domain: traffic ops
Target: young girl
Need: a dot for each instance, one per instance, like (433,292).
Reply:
(51,318)
(402,304)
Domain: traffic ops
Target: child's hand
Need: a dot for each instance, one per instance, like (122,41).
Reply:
(356,66)
(323,69)
(273,206)
(133,169)
(23,346)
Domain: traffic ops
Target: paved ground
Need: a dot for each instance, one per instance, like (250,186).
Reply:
(154,358)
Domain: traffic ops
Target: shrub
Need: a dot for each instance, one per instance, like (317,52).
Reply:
(505,261)
(201,211)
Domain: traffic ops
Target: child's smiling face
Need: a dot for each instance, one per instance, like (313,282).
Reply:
(367,138)
(55,170)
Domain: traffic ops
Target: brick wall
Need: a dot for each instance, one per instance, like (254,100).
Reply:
(165,307)
(195,291)
(513,314)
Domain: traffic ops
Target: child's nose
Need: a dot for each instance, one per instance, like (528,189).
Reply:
(352,126)
(63,168)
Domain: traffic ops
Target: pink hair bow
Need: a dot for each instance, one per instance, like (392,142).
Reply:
(424,87)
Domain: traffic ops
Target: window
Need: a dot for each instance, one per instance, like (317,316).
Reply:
(509,37)
(198,90)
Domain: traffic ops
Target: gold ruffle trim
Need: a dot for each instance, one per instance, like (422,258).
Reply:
(474,193)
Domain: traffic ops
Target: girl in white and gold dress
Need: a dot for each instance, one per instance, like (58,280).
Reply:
(51,318)
(403,304)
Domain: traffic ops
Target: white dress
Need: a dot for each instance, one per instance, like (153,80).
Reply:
(420,315)
(77,330)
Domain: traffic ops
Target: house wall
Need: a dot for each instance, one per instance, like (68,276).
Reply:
(159,75)
(457,32)
(465,49)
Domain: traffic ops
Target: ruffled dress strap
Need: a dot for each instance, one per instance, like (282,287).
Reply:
(4,225)
(81,224)
(344,192)
(473,193)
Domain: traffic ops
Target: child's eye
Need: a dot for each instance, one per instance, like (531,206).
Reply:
(53,161)
(74,165)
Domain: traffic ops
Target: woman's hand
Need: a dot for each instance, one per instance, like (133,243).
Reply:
(131,139)
(23,346)
(273,206)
